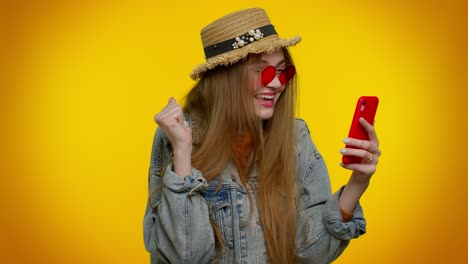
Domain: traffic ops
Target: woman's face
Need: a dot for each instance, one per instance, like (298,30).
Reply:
(266,95)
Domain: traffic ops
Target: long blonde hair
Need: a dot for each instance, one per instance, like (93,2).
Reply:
(221,106)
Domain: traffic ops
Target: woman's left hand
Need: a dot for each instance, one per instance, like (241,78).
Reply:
(368,150)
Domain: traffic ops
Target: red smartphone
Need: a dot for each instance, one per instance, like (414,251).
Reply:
(366,107)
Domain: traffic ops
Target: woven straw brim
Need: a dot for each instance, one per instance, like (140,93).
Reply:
(265,45)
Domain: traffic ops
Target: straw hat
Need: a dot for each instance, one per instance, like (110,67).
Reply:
(234,36)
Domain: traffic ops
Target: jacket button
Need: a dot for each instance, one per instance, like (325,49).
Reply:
(242,223)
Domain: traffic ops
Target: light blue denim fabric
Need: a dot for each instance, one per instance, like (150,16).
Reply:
(178,229)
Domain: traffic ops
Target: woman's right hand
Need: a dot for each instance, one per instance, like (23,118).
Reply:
(171,120)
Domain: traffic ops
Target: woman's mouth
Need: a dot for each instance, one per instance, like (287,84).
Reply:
(266,100)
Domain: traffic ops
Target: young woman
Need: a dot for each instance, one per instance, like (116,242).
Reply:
(234,176)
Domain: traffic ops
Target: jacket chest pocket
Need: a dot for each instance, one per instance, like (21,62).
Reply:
(220,210)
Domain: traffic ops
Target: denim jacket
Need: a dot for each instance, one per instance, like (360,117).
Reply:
(177,225)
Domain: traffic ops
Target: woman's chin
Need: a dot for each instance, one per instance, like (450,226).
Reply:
(264,114)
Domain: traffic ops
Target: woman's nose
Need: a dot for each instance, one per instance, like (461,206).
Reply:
(275,83)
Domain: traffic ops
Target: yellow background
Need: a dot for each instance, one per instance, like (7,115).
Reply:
(82,80)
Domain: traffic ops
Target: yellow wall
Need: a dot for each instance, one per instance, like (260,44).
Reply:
(83,80)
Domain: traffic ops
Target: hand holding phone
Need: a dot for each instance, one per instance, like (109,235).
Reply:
(366,107)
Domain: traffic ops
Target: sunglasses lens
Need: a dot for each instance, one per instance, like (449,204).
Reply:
(287,74)
(268,74)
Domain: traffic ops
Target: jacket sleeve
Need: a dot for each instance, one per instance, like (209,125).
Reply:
(176,224)
(321,233)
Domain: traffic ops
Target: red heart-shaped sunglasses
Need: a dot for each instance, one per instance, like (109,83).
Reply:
(284,75)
